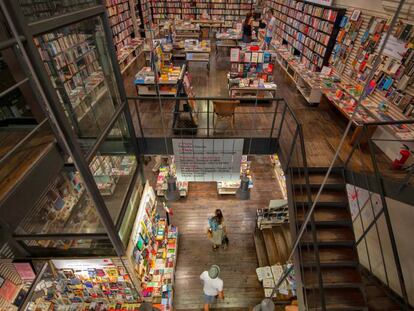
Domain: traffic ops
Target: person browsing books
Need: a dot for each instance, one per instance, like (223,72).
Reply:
(271,21)
(212,286)
(247,28)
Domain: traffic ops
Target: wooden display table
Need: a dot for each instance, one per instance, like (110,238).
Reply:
(186,30)
(196,51)
(265,92)
(168,82)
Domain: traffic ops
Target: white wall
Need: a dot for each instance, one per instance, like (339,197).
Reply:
(371,5)
(364,207)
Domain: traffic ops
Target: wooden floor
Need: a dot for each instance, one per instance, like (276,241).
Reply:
(239,262)
(322,127)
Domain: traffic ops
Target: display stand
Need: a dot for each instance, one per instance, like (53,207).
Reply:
(279,174)
(231,186)
(168,82)
(152,252)
(198,51)
(185,30)
(85,284)
(251,74)
(162,186)
(310,84)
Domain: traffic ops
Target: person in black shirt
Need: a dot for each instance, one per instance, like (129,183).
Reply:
(247,28)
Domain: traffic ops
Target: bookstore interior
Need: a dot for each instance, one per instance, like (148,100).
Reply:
(193,88)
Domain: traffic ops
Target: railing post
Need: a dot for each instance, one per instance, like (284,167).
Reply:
(273,124)
(208,118)
(282,121)
(389,225)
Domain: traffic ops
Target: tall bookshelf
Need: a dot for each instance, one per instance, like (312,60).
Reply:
(230,10)
(309,30)
(120,20)
(143,10)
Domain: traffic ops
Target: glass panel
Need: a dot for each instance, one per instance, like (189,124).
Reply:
(14,103)
(114,166)
(78,63)
(35,10)
(65,207)
(131,212)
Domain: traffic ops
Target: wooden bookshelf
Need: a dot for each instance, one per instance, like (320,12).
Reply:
(227,10)
(309,30)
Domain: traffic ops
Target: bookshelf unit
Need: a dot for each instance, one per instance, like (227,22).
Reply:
(229,10)
(309,30)
(120,20)
(71,61)
(143,10)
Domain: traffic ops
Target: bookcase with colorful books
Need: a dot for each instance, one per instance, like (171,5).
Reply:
(309,30)
(73,63)
(143,10)
(229,10)
(152,252)
(389,95)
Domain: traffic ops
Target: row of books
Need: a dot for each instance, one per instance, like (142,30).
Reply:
(109,3)
(307,29)
(310,20)
(120,27)
(117,9)
(314,10)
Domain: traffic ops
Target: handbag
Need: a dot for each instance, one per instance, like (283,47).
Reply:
(225,240)
(209,233)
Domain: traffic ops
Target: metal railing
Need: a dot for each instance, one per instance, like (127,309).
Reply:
(292,154)
(185,117)
(373,173)
(274,120)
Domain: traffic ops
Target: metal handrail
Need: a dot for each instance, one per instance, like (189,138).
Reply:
(380,188)
(22,142)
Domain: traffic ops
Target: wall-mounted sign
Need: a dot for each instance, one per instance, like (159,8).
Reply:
(207,159)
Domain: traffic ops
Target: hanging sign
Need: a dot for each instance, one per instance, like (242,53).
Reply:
(207,159)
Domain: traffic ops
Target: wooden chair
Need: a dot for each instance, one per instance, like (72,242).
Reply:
(224,110)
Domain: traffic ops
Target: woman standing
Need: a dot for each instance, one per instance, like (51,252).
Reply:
(217,230)
(247,28)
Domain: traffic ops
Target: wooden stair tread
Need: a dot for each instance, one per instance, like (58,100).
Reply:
(325,214)
(343,298)
(271,247)
(317,178)
(332,276)
(260,248)
(287,235)
(330,235)
(327,196)
(330,255)
(281,244)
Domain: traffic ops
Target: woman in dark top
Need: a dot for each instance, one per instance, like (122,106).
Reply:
(247,28)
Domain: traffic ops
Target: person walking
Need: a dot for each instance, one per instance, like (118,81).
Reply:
(270,27)
(217,230)
(247,28)
(212,286)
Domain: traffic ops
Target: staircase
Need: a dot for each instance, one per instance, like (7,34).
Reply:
(272,245)
(342,286)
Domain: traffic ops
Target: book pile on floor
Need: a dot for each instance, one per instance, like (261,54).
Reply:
(270,276)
